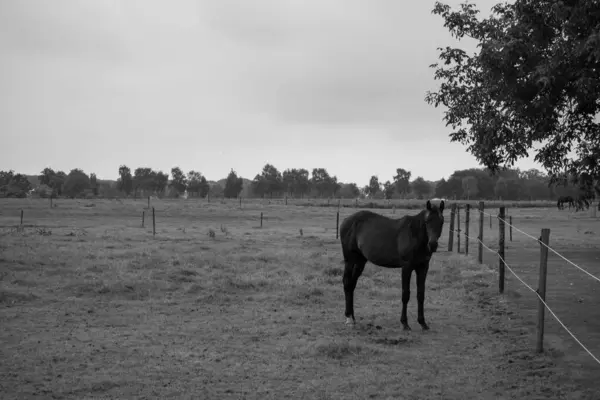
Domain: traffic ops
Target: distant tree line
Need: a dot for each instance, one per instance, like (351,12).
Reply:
(468,184)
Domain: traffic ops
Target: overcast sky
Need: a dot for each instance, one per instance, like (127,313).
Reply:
(212,85)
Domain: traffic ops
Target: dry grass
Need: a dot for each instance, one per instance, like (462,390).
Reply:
(92,306)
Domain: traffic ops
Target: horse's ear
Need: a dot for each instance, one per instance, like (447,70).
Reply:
(442,206)
(428,206)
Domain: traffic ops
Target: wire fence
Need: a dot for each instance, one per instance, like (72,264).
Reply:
(503,223)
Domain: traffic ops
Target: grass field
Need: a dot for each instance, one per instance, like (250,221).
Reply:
(93,306)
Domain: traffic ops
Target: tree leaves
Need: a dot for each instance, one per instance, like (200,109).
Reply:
(534,79)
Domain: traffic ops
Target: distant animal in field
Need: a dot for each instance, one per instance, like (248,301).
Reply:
(406,243)
(560,203)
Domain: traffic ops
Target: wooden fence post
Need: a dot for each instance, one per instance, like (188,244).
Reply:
(480,237)
(21,217)
(510,227)
(337,225)
(467,218)
(490,221)
(261,217)
(153,223)
(143,217)
(501,237)
(240,201)
(458,229)
(541,290)
(451,236)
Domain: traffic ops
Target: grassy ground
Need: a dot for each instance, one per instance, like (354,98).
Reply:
(92,306)
(570,292)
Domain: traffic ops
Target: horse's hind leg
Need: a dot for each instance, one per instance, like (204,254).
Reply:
(352,271)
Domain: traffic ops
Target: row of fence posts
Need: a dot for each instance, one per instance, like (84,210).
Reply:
(339,205)
(543,266)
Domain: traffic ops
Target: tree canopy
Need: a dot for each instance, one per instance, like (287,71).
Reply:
(535,79)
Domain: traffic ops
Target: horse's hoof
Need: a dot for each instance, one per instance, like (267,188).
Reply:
(425,326)
(350,321)
(407,328)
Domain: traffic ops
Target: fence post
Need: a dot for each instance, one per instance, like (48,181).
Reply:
(501,237)
(480,250)
(458,229)
(541,290)
(490,221)
(21,217)
(143,217)
(240,201)
(261,219)
(286,200)
(510,227)
(451,236)
(153,223)
(467,218)
(337,225)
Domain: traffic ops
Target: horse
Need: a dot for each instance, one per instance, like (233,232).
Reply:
(407,243)
(565,199)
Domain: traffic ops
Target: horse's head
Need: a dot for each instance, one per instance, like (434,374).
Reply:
(434,221)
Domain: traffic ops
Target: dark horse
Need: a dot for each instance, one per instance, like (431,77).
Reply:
(565,199)
(406,243)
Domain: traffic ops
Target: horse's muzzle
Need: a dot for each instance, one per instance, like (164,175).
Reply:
(432,246)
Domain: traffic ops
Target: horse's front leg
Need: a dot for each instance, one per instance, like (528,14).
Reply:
(406,275)
(421,271)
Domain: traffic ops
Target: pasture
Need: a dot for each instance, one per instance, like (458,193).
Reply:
(93,306)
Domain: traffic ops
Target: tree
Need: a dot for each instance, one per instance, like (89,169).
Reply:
(420,187)
(402,181)
(14,185)
(53,179)
(373,187)
(324,184)
(125,181)
(273,181)
(302,182)
(179,181)
(196,183)
(160,181)
(143,180)
(349,191)
(216,190)
(534,79)
(94,183)
(76,183)
(388,190)
(469,184)
(57,182)
(259,185)
(296,181)
(233,185)
(485,181)
(46,176)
